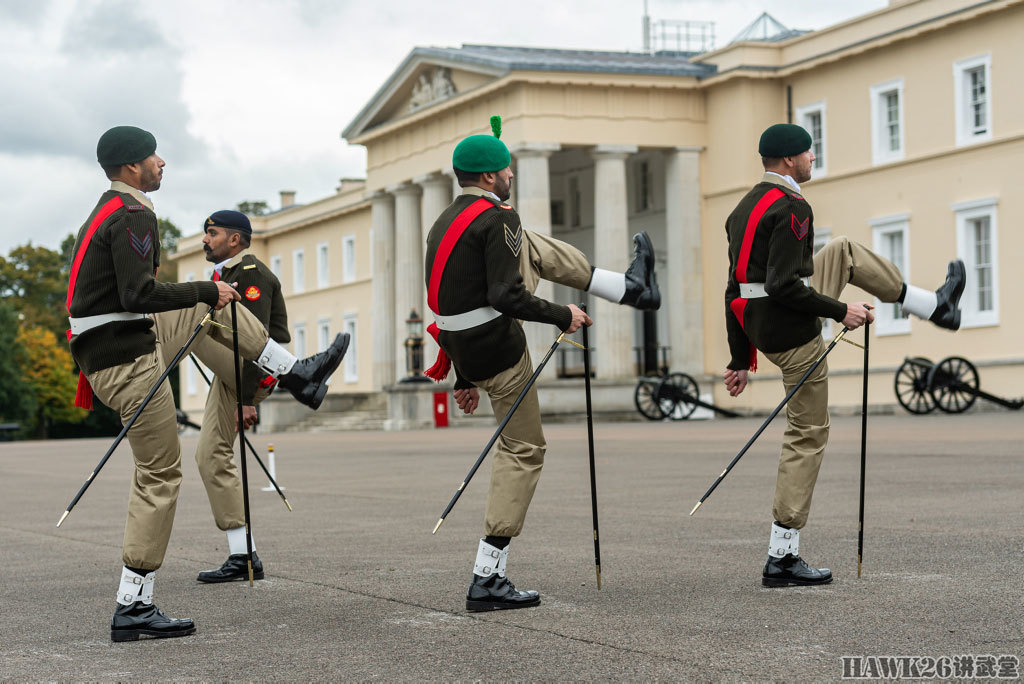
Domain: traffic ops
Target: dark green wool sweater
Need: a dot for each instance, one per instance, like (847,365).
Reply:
(261,295)
(483,270)
(782,253)
(117,275)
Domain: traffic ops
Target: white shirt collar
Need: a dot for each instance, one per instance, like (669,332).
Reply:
(220,266)
(787,178)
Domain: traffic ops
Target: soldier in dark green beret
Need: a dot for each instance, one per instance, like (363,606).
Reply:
(227,235)
(777,294)
(126,326)
(478,295)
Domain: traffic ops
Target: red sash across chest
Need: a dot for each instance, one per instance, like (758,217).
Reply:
(739,304)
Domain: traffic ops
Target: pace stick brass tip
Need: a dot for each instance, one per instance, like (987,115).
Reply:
(561,338)
(437,525)
(598,577)
(250,572)
(855,344)
(858,568)
(287,504)
(63,517)
(576,344)
(696,507)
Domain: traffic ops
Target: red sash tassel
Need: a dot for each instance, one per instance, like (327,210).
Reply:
(443,365)
(83,396)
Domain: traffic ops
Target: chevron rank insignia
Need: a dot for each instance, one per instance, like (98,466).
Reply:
(799,228)
(141,246)
(514,240)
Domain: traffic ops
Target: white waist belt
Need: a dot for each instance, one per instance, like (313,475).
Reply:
(465,321)
(756,290)
(83,323)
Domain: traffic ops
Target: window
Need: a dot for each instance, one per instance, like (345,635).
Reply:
(349,325)
(891,240)
(574,201)
(977,245)
(821,238)
(189,277)
(887,122)
(298,271)
(299,340)
(323,334)
(323,273)
(973,94)
(348,252)
(812,118)
(644,194)
(275,265)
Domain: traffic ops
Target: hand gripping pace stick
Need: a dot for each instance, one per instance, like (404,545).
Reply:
(501,426)
(135,416)
(769,419)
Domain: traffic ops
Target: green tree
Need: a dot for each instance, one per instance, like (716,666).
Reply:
(34,280)
(15,400)
(169,236)
(258,208)
(49,376)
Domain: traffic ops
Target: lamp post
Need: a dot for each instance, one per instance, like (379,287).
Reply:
(414,349)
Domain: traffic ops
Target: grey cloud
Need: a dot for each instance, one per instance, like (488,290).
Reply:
(19,11)
(110,30)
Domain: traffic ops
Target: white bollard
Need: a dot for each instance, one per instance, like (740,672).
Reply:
(273,471)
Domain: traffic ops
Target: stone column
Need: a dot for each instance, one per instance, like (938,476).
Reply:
(382,319)
(684,286)
(437,195)
(532,186)
(408,265)
(613,323)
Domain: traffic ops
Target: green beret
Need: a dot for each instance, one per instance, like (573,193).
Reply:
(124,145)
(784,140)
(481,154)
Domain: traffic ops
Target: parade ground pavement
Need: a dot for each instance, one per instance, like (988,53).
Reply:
(357,587)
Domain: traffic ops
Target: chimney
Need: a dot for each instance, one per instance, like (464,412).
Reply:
(287,198)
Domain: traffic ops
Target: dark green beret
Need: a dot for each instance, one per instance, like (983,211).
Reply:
(124,145)
(481,154)
(784,140)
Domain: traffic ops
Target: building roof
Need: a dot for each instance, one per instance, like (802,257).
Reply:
(766,29)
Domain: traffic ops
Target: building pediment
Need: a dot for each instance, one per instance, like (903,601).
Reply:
(427,77)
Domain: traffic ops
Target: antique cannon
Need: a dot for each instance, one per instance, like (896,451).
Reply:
(950,384)
(675,396)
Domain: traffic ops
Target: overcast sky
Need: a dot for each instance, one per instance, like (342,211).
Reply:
(248,97)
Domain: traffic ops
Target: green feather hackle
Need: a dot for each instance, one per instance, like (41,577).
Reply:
(496,126)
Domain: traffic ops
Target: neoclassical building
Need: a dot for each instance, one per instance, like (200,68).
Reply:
(917,128)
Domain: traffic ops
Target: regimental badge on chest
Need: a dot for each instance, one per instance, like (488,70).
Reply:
(252,293)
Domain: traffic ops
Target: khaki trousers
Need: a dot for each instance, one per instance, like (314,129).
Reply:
(215,454)
(839,262)
(153,497)
(519,458)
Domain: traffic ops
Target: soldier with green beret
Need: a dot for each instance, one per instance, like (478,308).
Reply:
(778,291)
(126,326)
(479,294)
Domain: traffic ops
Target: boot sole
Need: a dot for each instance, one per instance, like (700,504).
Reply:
(136,634)
(321,391)
(771,582)
(482,606)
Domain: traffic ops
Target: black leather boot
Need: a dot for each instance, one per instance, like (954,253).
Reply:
(130,623)
(235,569)
(947,310)
(307,380)
(641,284)
(497,593)
(791,570)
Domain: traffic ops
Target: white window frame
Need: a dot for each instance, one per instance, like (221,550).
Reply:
(881,153)
(803,114)
(348,256)
(323,333)
(965,134)
(323,265)
(298,271)
(966,212)
(887,322)
(821,238)
(191,386)
(299,340)
(276,265)
(350,324)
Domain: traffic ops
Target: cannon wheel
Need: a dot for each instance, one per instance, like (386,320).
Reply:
(953,383)
(644,398)
(670,391)
(912,385)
